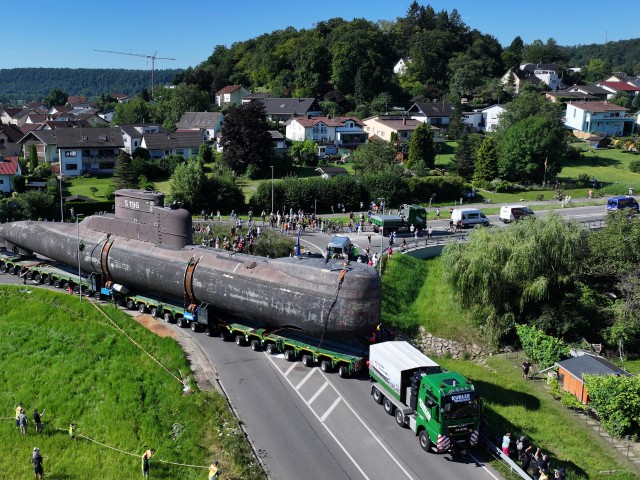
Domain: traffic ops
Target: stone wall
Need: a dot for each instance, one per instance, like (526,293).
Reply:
(443,347)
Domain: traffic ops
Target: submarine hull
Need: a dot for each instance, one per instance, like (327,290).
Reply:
(302,293)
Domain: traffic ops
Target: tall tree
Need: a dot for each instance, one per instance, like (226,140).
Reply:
(124,175)
(33,158)
(188,184)
(56,97)
(135,111)
(374,157)
(486,166)
(422,154)
(512,55)
(245,138)
(465,157)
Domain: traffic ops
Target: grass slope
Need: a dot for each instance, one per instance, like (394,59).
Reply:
(66,358)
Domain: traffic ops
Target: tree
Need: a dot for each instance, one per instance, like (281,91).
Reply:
(304,153)
(33,158)
(486,166)
(512,56)
(205,154)
(374,157)
(422,154)
(135,111)
(245,138)
(596,69)
(187,185)
(465,157)
(124,175)
(621,99)
(56,97)
(35,204)
(456,126)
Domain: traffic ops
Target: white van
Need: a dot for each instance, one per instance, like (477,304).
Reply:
(468,217)
(509,213)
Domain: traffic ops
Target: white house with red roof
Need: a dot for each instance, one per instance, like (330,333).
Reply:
(619,87)
(9,168)
(231,95)
(600,118)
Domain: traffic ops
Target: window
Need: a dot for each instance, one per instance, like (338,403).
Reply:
(135,143)
(72,166)
(179,151)
(70,153)
(1,182)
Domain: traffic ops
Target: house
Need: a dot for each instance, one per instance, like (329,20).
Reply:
(255,96)
(602,118)
(230,95)
(344,132)
(565,96)
(571,373)
(21,117)
(383,126)
(46,142)
(279,142)
(533,73)
(491,116)
(624,78)
(9,168)
(282,109)
(92,119)
(328,172)
(207,123)
(599,93)
(132,134)
(437,114)
(473,121)
(74,100)
(8,115)
(615,88)
(161,145)
(10,136)
(400,68)
(83,150)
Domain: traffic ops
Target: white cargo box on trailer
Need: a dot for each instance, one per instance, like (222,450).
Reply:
(390,362)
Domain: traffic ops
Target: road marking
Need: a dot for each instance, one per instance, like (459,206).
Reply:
(330,409)
(321,250)
(478,462)
(289,370)
(346,452)
(317,394)
(304,380)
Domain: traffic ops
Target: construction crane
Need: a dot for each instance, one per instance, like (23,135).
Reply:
(153,58)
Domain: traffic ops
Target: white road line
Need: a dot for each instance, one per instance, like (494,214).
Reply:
(304,380)
(330,409)
(395,460)
(289,370)
(317,394)
(479,463)
(321,250)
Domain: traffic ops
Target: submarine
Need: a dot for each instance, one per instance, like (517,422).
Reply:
(149,247)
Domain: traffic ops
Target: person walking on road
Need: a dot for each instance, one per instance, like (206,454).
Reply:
(36,460)
(146,462)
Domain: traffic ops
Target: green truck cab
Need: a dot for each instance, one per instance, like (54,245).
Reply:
(442,408)
(408,215)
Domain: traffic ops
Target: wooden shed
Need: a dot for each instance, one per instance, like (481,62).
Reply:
(572,371)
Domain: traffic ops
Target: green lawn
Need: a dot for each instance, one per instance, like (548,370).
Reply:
(84,186)
(63,357)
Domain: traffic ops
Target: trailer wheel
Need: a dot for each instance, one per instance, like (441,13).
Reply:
(180,322)
(343,371)
(270,348)
(29,275)
(131,305)
(194,326)
(13,270)
(289,355)
(168,318)
(325,366)
(48,280)
(97,296)
(142,307)
(239,340)
(377,396)
(388,406)
(307,360)
(255,345)
(423,438)
(76,289)
(400,418)
(38,278)
(224,335)
(57,283)
(208,331)
(154,312)
(119,301)
(3,268)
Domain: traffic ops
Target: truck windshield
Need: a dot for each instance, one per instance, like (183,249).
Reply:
(460,410)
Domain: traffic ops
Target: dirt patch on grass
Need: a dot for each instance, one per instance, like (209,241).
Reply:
(150,323)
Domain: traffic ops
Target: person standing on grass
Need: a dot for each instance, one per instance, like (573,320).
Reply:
(23,423)
(36,460)
(526,366)
(37,421)
(19,410)
(146,462)
(214,472)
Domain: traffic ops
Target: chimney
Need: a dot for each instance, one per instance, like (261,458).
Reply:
(404,120)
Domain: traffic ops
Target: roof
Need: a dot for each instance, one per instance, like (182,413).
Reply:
(168,141)
(433,109)
(563,94)
(130,129)
(228,89)
(48,137)
(256,95)
(288,106)
(13,132)
(276,135)
(77,198)
(12,111)
(328,121)
(591,89)
(332,170)
(9,166)
(89,137)
(589,364)
(620,86)
(598,107)
(397,122)
(73,99)
(37,117)
(198,120)
(532,67)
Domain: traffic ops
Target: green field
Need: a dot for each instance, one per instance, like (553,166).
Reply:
(65,358)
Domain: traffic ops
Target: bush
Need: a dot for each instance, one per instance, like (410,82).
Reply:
(503,187)
(617,401)
(583,181)
(634,166)
(543,349)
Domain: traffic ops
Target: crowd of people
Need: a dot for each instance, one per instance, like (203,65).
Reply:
(536,462)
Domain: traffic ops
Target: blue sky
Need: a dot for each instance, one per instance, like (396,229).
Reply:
(66,33)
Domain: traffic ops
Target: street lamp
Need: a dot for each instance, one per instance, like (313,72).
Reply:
(271,188)
(80,248)
(381,203)
(61,204)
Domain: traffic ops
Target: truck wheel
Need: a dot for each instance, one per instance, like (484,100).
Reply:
(377,396)
(48,280)
(168,318)
(29,275)
(325,366)
(38,278)
(271,349)
(76,289)
(13,270)
(239,340)
(388,406)
(224,335)
(425,443)
(194,326)
(343,371)
(57,283)
(131,305)
(307,360)
(97,296)
(400,418)
(208,331)
(289,355)
(180,322)
(255,345)
(119,302)
(154,312)
(142,307)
